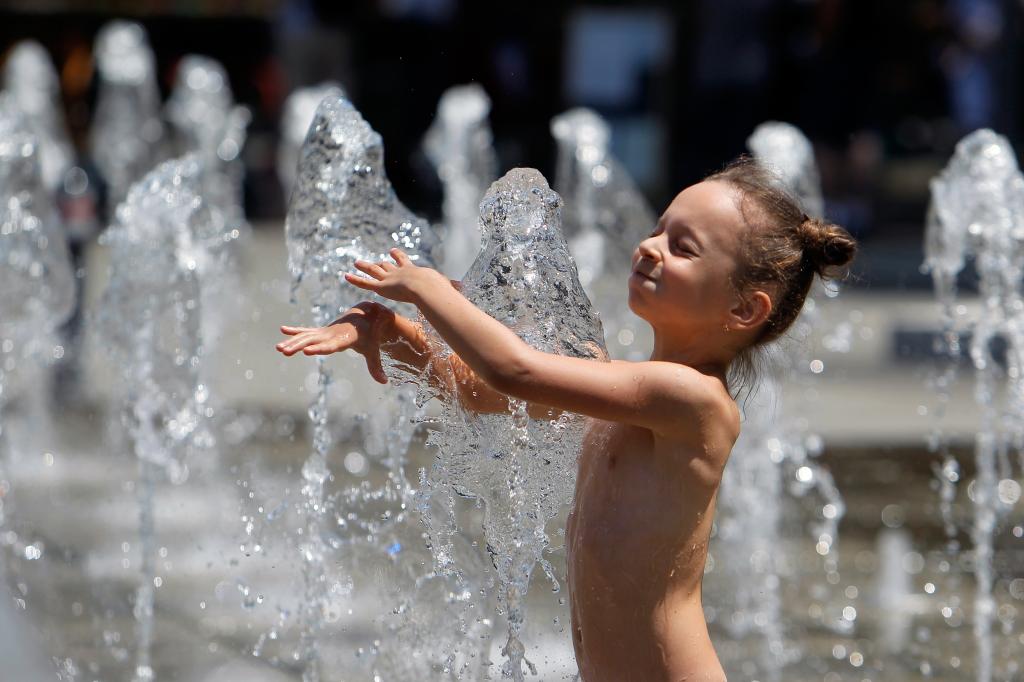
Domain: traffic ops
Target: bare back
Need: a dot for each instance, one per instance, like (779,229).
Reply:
(637,545)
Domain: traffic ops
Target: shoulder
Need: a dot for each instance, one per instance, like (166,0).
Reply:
(697,405)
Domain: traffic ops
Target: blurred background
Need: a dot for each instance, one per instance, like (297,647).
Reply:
(882,89)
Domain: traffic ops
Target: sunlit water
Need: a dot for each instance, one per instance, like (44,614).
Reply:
(522,469)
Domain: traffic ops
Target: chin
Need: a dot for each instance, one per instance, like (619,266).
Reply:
(636,305)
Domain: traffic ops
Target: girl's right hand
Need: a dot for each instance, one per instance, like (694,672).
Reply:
(361,329)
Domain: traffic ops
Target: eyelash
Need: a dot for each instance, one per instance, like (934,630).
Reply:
(675,246)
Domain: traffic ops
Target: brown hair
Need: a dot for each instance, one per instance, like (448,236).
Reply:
(782,250)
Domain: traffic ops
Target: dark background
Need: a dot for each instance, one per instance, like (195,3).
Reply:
(883,88)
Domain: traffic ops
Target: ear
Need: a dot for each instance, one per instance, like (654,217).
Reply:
(750,310)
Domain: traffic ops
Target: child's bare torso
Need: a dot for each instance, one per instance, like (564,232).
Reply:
(637,545)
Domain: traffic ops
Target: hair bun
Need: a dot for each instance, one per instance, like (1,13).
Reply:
(826,245)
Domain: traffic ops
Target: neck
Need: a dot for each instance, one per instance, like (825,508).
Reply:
(712,358)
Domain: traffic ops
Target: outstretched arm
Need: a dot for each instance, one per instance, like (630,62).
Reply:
(667,398)
(371,329)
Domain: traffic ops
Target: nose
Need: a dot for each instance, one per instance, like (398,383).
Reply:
(646,249)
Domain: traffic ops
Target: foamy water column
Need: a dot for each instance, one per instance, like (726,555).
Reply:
(298,112)
(127,132)
(977,211)
(522,469)
(605,217)
(460,145)
(343,209)
(31,80)
(149,318)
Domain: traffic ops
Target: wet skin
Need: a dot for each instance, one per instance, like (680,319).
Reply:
(637,540)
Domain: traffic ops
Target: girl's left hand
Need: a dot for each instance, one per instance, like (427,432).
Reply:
(398,281)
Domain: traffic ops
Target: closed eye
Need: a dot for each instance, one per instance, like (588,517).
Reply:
(684,249)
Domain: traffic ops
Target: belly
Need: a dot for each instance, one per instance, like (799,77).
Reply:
(636,549)
(616,639)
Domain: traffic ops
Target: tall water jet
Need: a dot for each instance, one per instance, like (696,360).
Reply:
(788,152)
(31,80)
(460,145)
(299,109)
(521,468)
(126,135)
(745,551)
(343,209)
(203,113)
(208,123)
(37,286)
(149,317)
(977,211)
(777,453)
(605,217)
(894,588)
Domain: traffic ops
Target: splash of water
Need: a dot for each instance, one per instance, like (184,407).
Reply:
(977,210)
(460,145)
(127,130)
(31,80)
(343,209)
(605,217)
(299,109)
(522,469)
(162,245)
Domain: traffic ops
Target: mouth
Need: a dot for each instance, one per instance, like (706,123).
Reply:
(642,277)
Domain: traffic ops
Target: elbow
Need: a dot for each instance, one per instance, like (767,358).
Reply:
(512,375)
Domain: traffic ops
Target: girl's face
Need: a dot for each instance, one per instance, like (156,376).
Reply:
(681,272)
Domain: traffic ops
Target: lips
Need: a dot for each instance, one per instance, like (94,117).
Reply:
(641,275)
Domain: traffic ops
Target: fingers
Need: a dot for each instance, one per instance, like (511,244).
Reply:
(400,257)
(373,364)
(362,282)
(322,348)
(298,342)
(291,331)
(372,269)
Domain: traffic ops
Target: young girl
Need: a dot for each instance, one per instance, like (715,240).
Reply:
(725,271)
